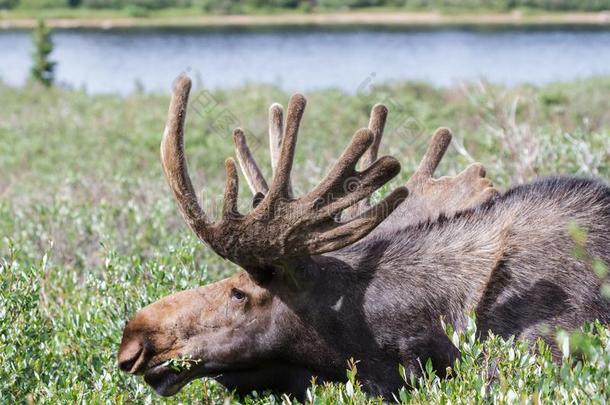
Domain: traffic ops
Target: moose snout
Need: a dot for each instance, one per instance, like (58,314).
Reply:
(137,344)
(131,355)
(153,334)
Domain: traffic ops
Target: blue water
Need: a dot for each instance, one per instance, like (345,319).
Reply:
(120,60)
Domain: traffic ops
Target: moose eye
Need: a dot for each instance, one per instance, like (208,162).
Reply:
(238,294)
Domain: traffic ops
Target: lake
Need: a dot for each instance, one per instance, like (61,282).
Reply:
(304,59)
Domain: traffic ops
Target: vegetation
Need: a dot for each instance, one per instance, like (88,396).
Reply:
(253,6)
(90,233)
(43,69)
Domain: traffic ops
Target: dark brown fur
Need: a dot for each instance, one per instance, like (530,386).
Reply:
(380,300)
(510,261)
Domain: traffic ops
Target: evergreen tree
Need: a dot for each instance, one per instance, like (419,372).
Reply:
(43,69)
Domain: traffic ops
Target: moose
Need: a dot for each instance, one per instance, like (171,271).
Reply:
(328,276)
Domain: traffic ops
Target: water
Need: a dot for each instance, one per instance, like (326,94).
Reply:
(120,60)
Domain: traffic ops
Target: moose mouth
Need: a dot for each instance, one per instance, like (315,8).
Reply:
(167,381)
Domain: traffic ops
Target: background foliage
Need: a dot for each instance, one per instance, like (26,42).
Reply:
(89,231)
(43,69)
(245,6)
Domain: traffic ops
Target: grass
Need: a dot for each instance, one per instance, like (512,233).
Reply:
(90,234)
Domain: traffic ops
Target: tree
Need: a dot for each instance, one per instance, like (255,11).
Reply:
(43,69)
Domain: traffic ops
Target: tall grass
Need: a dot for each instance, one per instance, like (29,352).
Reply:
(89,231)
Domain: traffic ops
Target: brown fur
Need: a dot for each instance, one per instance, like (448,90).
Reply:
(380,300)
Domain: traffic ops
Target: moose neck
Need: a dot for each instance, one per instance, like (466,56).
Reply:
(437,269)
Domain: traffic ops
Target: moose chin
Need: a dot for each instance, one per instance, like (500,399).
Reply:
(329,277)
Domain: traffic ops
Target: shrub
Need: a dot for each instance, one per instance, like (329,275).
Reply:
(156,4)
(214,6)
(136,11)
(8,4)
(102,3)
(87,238)
(42,4)
(43,69)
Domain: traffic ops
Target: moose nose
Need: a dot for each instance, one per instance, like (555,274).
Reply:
(131,356)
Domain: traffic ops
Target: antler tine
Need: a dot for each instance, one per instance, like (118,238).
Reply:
(252,173)
(379,114)
(448,195)
(370,180)
(343,179)
(174,161)
(229,208)
(343,186)
(357,228)
(434,154)
(377,120)
(337,179)
(276,130)
(254,177)
(280,186)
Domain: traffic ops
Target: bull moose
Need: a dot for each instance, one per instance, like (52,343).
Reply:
(328,277)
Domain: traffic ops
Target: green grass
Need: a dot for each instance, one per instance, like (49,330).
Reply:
(89,231)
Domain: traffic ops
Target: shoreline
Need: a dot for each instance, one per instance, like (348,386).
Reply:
(340,19)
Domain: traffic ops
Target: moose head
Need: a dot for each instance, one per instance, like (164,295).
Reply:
(303,304)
